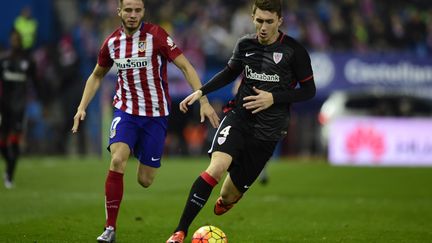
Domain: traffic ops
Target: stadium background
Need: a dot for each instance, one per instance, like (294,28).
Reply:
(60,198)
(70,32)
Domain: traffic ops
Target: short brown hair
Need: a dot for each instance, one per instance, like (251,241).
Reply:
(273,6)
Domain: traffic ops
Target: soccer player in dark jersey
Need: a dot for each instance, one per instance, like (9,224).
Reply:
(17,69)
(273,65)
(140,52)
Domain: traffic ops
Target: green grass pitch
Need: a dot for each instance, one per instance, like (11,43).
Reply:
(62,200)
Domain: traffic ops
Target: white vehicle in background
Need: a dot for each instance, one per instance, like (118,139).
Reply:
(370,103)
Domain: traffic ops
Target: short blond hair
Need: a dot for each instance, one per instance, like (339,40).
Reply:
(120,2)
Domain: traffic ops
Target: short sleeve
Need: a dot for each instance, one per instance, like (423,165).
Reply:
(235,61)
(302,64)
(104,58)
(167,46)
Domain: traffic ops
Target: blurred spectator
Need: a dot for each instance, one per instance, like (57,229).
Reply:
(71,84)
(338,29)
(416,32)
(397,31)
(27,27)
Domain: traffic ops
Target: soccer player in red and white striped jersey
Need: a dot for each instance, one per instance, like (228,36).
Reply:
(141,52)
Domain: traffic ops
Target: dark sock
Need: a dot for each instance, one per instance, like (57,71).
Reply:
(9,153)
(198,196)
(113,196)
(12,160)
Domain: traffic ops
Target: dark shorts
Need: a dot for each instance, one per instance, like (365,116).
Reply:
(11,121)
(250,155)
(144,135)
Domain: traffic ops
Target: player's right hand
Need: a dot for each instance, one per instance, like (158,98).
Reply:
(190,100)
(79,116)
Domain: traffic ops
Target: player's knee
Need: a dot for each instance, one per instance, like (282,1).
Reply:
(145,181)
(216,174)
(216,171)
(117,163)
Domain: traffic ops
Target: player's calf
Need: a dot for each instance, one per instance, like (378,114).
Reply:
(221,208)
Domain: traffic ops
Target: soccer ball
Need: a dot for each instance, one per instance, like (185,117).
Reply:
(209,234)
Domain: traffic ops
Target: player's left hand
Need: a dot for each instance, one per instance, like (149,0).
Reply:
(190,100)
(79,116)
(259,102)
(208,111)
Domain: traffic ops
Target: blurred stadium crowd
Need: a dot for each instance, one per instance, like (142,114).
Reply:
(206,30)
(211,27)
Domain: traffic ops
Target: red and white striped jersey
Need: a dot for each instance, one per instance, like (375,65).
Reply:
(141,60)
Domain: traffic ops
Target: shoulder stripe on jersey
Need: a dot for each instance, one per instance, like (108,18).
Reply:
(282,37)
(306,79)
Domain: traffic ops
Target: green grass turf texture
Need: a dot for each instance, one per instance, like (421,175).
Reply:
(62,200)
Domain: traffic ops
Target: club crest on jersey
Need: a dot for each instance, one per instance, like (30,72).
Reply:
(277,57)
(221,140)
(112,133)
(141,46)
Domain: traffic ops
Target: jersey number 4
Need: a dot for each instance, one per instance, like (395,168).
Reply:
(225,131)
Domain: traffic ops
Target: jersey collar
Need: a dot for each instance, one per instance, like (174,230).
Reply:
(279,39)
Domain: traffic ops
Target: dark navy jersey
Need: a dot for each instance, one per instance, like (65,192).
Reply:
(15,73)
(275,68)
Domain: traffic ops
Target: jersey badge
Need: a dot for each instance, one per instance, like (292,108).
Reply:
(221,140)
(112,133)
(170,43)
(277,57)
(141,46)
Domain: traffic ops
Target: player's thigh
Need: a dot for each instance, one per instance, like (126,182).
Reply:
(226,146)
(11,123)
(16,121)
(124,129)
(120,153)
(219,164)
(229,191)
(247,167)
(146,174)
(151,141)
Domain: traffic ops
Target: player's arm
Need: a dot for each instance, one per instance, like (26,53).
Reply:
(192,77)
(305,91)
(263,99)
(92,85)
(224,77)
(302,69)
